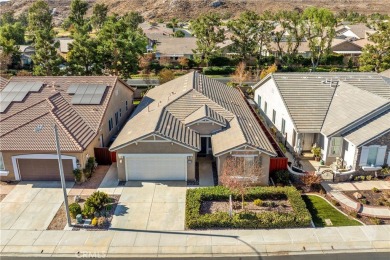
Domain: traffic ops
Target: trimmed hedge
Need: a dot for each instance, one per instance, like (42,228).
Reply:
(300,217)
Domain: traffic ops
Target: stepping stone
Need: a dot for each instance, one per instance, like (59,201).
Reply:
(328,222)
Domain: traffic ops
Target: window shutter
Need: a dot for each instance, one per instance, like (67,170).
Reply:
(380,158)
(364,156)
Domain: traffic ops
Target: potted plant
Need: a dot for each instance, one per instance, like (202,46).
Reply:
(316,151)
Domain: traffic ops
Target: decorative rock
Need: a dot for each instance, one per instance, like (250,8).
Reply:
(357,195)
(76,198)
(328,222)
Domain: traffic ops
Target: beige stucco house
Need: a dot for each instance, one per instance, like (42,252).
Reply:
(87,110)
(188,117)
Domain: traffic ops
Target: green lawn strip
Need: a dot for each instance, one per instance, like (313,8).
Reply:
(136,102)
(321,210)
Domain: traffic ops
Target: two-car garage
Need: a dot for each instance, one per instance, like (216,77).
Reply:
(155,167)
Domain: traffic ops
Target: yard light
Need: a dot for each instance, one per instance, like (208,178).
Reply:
(61,168)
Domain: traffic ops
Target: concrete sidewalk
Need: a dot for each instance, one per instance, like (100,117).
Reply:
(141,243)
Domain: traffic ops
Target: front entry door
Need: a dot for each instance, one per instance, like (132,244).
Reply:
(205,144)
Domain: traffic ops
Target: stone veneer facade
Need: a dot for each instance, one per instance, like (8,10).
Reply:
(382,140)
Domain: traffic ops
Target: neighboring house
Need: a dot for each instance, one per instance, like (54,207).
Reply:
(346,114)
(175,47)
(64,46)
(141,85)
(87,110)
(26,53)
(354,31)
(183,119)
(303,49)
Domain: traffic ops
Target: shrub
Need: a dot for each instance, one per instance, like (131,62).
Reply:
(74,209)
(97,200)
(258,202)
(376,221)
(364,201)
(89,167)
(179,34)
(362,178)
(101,221)
(368,177)
(94,221)
(354,214)
(300,217)
(335,203)
(77,175)
(225,70)
(88,211)
(282,177)
(375,189)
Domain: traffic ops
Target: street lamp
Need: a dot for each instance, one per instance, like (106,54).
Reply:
(63,184)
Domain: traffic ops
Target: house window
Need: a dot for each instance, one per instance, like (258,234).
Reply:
(259,101)
(373,155)
(127,105)
(116,118)
(283,130)
(273,116)
(110,124)
(265,107)
(120,112)
(2,167)
(336,144)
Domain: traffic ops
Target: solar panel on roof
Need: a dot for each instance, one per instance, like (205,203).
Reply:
(86,99)
(9,87)
(3,106)
(3,95)
(81,90)
(76,99)
(36,86)
(96,99)
(72,89)
(10,97)
(20,96)
(91,89)
(18,87)
(100,89)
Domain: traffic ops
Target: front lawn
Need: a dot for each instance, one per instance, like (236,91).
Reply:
(321,210)
(276,207)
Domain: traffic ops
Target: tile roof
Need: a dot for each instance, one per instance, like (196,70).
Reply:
(347,107)
(78,124)
(369,130)
(307,97)
(176,46)
(3,82)
(205,112)
(164,109)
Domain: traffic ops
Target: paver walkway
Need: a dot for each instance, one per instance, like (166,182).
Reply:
(218,243)
(336,191)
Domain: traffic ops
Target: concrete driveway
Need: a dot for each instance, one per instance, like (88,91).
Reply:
(31,205)
(151,206)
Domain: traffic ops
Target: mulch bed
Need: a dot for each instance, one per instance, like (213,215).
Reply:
(95,180)
(372,198)
(209,207)
(59,221)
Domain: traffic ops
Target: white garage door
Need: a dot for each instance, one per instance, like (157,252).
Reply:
(156,167)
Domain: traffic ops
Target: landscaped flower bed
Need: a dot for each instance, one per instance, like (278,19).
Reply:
(281,207)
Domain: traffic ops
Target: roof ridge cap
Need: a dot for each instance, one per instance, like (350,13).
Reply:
(58,121)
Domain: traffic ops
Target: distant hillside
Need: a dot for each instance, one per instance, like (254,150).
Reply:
(187,9)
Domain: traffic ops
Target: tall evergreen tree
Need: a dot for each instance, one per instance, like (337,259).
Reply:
(320,26)
(376,57)
(119,47)
(46,60)
(208,31)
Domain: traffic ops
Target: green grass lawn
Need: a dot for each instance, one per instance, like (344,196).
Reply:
(321,210)
(136,102)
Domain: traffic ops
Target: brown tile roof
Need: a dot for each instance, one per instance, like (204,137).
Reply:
(78,124)
(3,82)
(164,110)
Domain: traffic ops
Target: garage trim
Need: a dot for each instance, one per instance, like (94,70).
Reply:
(38,156)
(143,155)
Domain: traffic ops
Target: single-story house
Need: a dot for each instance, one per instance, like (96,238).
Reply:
(355,31)
(346,114)
(185,118)
(175,47)
(26,53)
(87,110)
